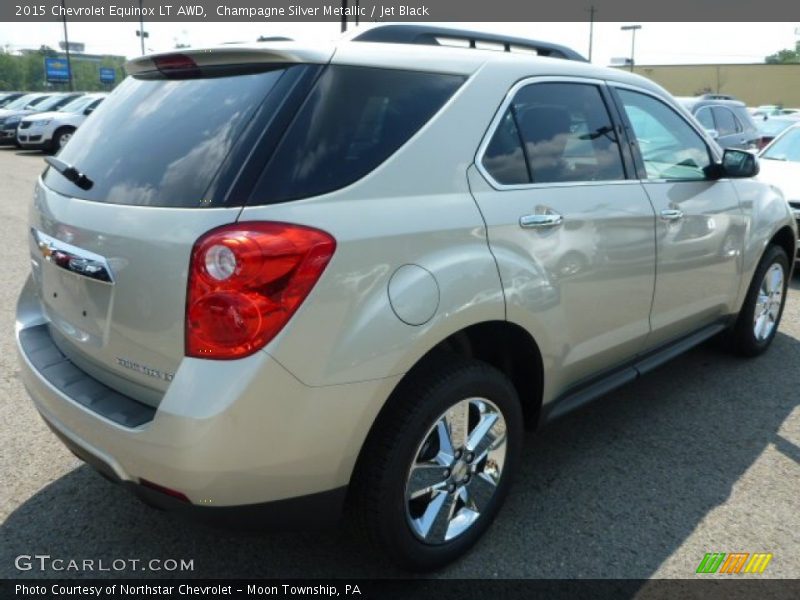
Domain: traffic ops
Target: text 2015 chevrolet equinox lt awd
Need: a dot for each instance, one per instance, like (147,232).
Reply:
(307,279)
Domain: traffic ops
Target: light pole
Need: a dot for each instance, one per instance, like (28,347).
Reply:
(632,29)
(592,10)
(66,45)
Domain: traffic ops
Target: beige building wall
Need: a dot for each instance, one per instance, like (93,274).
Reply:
(754,84)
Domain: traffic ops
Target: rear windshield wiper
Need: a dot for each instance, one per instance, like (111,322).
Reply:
(70,173)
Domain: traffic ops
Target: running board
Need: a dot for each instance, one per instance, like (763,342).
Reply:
(608,382)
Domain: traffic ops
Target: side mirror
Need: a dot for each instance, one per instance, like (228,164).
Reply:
(713,133)
(88,111)
(739,164)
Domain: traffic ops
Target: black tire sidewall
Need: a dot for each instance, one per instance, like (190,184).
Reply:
(478,381)
(746,341)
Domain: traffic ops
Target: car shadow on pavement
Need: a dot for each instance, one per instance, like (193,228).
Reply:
(610,491)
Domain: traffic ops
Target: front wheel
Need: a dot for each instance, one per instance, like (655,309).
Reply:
(761,312)
(438,464)
(60,138)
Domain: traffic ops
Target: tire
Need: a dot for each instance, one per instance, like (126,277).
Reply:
(758,320)
(405,447)
(61,137)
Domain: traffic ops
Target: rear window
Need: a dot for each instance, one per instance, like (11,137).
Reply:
(351,122)
(160,142)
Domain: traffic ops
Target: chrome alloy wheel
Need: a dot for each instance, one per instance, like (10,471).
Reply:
(456,470)
(63,139)
(768,302)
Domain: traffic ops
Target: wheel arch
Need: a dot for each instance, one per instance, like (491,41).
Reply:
(785,238)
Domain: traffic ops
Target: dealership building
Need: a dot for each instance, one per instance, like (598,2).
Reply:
(754,84)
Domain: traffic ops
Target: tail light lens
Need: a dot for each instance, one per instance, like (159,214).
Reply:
(246,280)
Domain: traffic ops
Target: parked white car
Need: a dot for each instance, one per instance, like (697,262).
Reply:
(780,166)
(51,130)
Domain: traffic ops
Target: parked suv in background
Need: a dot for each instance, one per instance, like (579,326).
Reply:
(306,278)
(51,130)
(727,119)
(12,115)
(7,98)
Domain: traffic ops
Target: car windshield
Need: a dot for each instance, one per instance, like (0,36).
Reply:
(20,102)
(78,105)
(774,126)
(51,103)
(786,147)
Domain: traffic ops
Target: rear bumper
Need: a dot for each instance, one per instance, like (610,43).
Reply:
(227,434)
(313,510)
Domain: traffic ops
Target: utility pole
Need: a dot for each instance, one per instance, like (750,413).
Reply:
(141,33)
(344,16)
(66,45)
(633,29)
(592,10)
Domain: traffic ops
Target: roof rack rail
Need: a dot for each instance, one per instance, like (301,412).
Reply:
(440,36)
(718,97)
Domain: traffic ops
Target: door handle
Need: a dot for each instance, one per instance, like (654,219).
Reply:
(671,214)
(544,221)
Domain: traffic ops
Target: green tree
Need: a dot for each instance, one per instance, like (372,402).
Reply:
(25,71)
(785,56)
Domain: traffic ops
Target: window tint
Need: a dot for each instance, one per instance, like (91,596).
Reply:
(160,142)
(670,147)
(567,136)
(504,158)
(726,122)
(705,118)
(352,121)
(745,120)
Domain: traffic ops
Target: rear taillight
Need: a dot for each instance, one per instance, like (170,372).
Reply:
(246,280)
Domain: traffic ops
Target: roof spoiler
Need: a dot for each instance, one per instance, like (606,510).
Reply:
(440,36)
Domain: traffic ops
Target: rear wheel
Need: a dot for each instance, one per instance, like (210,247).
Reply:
(438,464)
(761,312)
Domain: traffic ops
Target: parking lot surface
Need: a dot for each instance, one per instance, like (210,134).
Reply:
(703,455)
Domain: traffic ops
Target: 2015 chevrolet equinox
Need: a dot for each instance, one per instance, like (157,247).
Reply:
(303,278)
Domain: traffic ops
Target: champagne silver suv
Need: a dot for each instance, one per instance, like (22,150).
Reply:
(284,280)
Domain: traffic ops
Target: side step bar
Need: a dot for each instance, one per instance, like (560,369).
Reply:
(597,387)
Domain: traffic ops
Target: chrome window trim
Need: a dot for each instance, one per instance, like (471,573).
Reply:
(498,117)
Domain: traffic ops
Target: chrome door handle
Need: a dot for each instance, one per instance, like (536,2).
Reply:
(671,214)
(541,221)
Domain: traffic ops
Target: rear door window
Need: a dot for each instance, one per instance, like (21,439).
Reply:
(353,120)
(725,120)
(555,132)
(160,142)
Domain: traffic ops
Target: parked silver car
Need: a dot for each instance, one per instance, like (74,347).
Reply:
(306,278)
